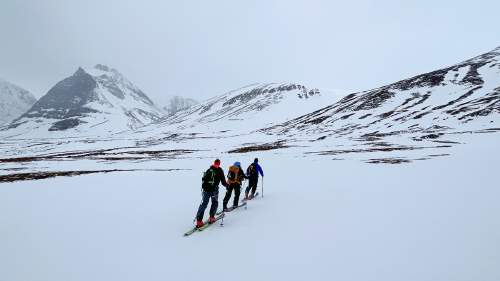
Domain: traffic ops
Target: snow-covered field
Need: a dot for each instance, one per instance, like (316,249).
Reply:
(320,219)
(395,183)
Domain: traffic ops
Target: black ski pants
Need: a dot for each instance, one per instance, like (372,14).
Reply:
(252,185)
(237,190)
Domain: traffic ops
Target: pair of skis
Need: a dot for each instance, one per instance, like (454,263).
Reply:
(194,229)
(227,210)
(220,215)
(251,197)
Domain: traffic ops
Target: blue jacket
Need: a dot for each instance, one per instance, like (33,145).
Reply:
(258,168)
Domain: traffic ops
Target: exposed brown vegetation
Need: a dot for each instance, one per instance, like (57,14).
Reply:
(45,175)
(261,147)
(103,155)
(388,161)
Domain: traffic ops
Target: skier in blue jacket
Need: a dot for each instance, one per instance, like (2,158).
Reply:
(253,172)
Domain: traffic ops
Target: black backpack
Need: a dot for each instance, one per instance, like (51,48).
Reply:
(208,180)
(252,171)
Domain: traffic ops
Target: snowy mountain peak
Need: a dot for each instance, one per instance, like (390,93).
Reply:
(80,71)
(103,70)
(91,101)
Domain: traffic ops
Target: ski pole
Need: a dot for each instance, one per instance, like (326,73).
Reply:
(262,187)
(243,190)
(223,213)
(246,204)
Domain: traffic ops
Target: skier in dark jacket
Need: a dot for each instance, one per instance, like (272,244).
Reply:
(235,176)
(253,172)
(210,185)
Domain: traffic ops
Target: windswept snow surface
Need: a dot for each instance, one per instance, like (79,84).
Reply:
(334,220)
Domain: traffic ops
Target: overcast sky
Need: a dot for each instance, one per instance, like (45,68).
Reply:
(203,48)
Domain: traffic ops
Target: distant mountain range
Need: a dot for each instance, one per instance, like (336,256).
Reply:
(98,116)
(427,111)
(14,101)
(99,101)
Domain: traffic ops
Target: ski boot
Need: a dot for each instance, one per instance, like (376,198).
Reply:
(199,223)
(211,219)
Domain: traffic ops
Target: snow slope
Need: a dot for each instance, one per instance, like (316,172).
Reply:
(462,97)
(91,102)
(245,109)
(14,101)
(319,219)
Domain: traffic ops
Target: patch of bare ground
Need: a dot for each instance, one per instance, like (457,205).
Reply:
(482,131)
(261,147)
(375,149)
(438,155)
(422,159)
(493,129)
(380,144)
(13,169)
(432,136)
(490,130)
(318,139)
(388,161)
(446,141)
(107,154)
(46,175)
